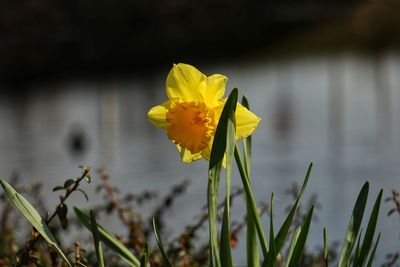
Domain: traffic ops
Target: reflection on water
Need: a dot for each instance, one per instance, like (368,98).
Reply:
(338,112)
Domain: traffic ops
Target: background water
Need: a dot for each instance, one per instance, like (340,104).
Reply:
(340,112)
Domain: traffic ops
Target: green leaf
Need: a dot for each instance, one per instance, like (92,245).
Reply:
(326,251)
(62,211)
(283,231)
(84,193)
(369,233)
(225,250)
(58,188)
(298,249)
(371,257)
(247,143)
(213,181)
(219,143)
(292,245)
(33,217)
(68,183)
(358,249)
(88,178)
(214,171)
(144,261)
(271,258)
(253,258)
(252,203)
(164,256)
(108,239)
(354,226)
(96,238)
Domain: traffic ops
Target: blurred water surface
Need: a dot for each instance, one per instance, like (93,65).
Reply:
(340,112)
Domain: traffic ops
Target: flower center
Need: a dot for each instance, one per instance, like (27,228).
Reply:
(189,125)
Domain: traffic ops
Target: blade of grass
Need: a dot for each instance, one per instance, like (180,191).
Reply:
(354,226)
(271,258)
(214,171)
(252,203)
(164,256)
(292,245)
(96,238)
(253,258)
(326,248)
(225,250)
(144,261)
(108,239)
(298,249)
(31,214)
(371,257)
(283,231)
(358,249)
(369,233)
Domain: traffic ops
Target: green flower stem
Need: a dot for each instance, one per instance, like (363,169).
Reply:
(213,182)
(251,202)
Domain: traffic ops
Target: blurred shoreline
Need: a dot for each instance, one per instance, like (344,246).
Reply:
(46,41)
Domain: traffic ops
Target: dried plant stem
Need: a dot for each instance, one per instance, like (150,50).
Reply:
(68,192)
(110,195)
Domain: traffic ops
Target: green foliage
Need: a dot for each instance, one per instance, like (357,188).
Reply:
(369,233)
(354,226)
(326,248)
(372,255)
(225,250)
(275,251)
(362,253)
(253,258)
(223,141)
(108,239)
(301,241)
(144,261)
(252,204)
(271,257)
(164,256)
(33,217)
(96,240)
(292,246)
(62,211)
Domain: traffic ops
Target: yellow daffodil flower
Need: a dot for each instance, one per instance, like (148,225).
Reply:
(191,114)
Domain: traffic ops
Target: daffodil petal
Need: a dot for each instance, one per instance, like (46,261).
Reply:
(215,90)
(184,82)
(158,115)
(206,152)
(187,156)
(246,121)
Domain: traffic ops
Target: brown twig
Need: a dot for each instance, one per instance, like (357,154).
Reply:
(165,205)
(77,245)
(113,200)
(395,198)
(69,191)
(48,219)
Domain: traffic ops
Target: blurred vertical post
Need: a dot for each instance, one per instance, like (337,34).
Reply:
(336,104)
(108,124)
